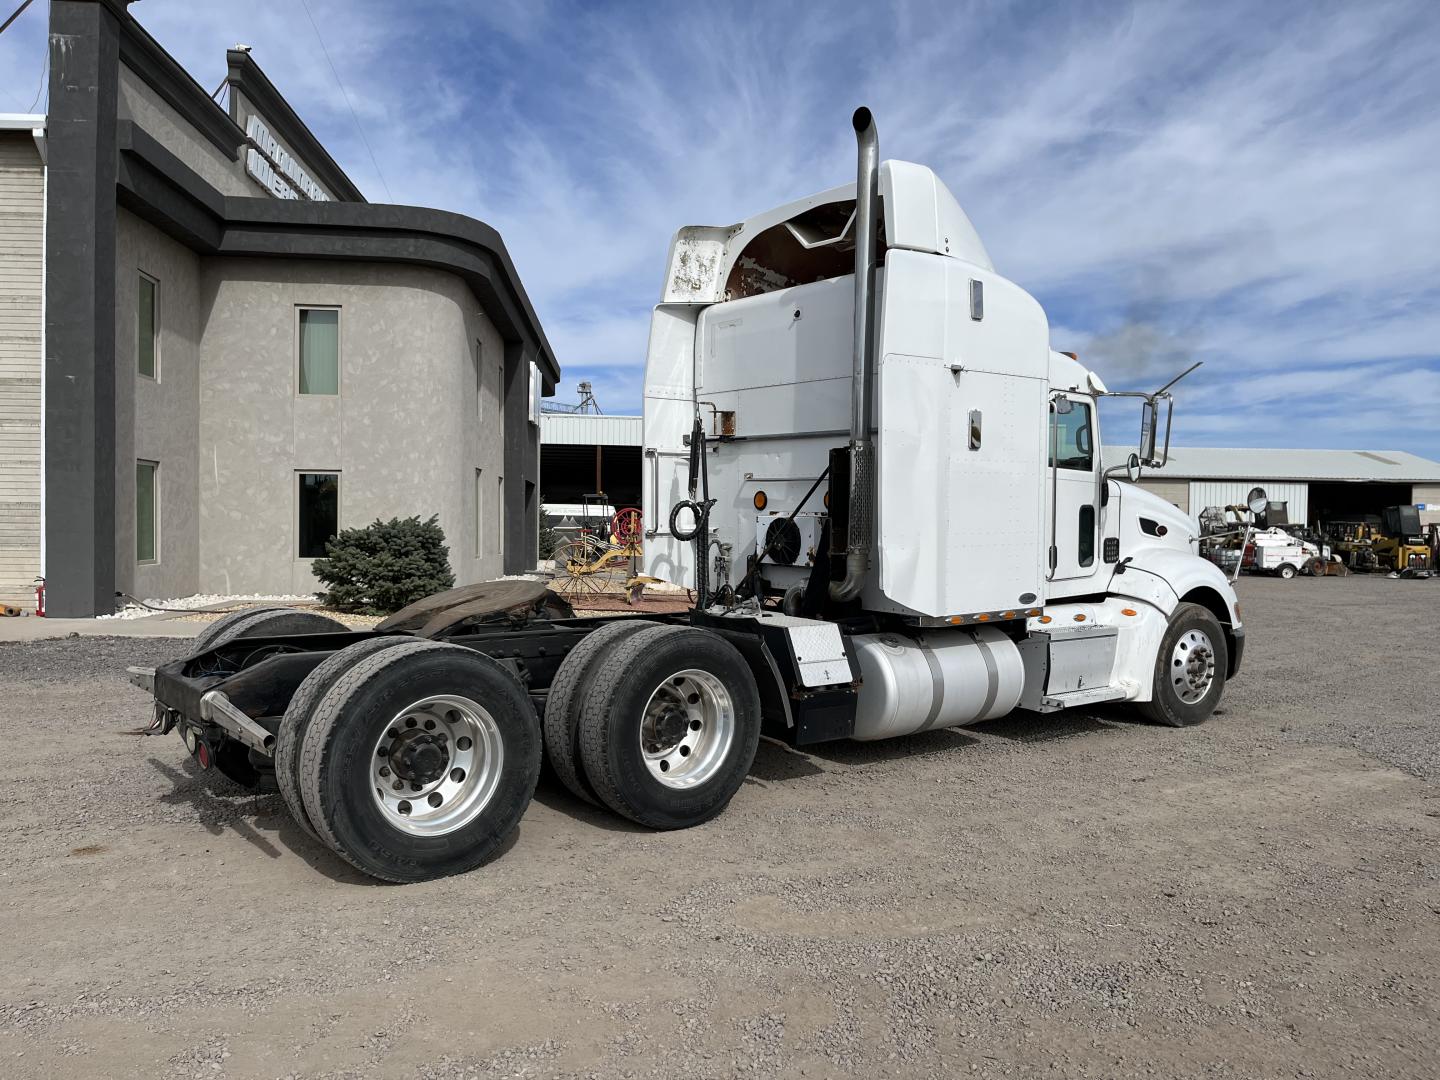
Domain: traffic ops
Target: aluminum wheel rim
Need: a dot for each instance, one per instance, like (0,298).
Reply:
(687,729)
(1192,666)
(473,760)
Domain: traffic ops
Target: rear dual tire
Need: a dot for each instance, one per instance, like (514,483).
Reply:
(296,721)
(669,726)
(432,824)
(233,760)
(567,696)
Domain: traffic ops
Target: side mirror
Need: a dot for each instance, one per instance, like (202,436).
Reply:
(1257,501)
(1132,468)
(1148,428)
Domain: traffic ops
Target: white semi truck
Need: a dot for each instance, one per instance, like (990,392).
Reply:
(886,491)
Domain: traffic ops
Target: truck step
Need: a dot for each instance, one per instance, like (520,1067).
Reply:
(1092,696)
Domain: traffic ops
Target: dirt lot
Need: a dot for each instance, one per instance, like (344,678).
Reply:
(1079,896)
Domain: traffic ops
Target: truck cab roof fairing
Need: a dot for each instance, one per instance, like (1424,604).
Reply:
(707,262)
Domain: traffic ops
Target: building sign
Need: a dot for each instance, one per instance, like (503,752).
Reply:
(271,165)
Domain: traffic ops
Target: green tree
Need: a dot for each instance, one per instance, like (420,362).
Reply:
(379,569)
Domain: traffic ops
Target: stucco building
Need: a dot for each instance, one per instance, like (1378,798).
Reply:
(214,352)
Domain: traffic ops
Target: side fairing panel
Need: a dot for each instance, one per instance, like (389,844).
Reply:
(961,412)
(669,413)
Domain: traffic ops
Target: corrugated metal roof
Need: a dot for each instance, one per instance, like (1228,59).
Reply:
(1225,463)
(590,429)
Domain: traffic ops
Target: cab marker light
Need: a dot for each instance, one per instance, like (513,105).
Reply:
(1045,619)
(1079,618)
(1128,611)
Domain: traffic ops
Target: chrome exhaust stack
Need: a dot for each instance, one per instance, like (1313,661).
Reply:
(862,452)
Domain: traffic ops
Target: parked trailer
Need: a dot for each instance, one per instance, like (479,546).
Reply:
(886,492)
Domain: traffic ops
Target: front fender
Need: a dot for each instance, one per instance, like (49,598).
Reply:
(1164,577)
(1168,577)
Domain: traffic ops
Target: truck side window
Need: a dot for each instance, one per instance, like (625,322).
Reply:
(1072,443)
(1085,548)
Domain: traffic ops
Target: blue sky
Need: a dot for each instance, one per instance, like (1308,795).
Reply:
(1252,185)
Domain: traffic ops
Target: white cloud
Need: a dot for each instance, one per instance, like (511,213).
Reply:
(1250,185)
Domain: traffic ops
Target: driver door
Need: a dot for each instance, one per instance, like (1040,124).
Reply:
(1074,459)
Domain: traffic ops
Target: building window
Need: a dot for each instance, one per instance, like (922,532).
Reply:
(319,350)
(147,327)
(499,515)
(147,516)
(479,512)
(319,512)
(479,380)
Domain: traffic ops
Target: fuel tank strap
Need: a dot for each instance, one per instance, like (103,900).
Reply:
(992,673)
(937,686)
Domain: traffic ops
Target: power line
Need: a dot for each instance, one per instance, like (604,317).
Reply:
(346,94)
(15,15)
(44,70)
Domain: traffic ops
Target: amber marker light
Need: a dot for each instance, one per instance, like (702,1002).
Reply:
(1079,618)
(761,500)
(1128,611)
(1045,619)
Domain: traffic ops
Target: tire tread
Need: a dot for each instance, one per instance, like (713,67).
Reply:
(296,722)
(564,702)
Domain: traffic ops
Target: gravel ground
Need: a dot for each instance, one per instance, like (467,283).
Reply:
(1074,896)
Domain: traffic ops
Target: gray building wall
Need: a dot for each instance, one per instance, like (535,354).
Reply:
(157,419)
(138,102)
(406,433)
(1427,495)
(22,230)
(1172,491)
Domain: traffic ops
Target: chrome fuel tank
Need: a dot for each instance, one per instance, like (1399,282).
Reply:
(939,679)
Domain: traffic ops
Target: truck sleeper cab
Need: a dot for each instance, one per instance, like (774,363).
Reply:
(888,495)
(989,506)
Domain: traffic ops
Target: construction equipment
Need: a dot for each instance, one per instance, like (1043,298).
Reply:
(1391,542)
(887,494)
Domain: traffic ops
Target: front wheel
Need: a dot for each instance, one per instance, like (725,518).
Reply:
(1286,571)
(1189,669)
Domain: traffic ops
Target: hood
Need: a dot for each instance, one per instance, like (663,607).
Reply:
(1136,502)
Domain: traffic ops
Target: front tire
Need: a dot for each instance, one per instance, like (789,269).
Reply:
(420,761)
(1285,572)
(1190,669)
(669,727)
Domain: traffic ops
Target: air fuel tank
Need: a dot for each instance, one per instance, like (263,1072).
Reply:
(938,679)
